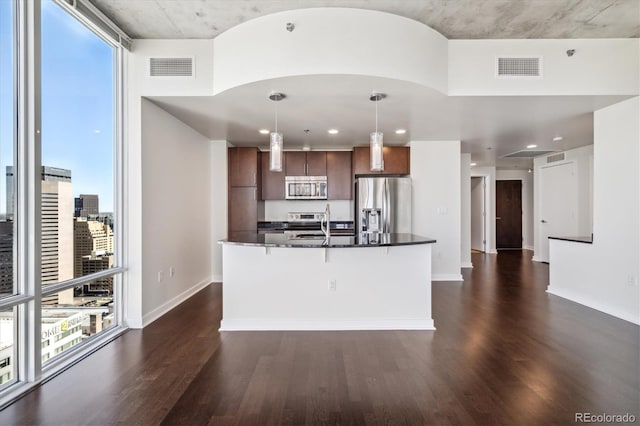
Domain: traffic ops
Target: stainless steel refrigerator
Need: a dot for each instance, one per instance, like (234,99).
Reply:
(383,204)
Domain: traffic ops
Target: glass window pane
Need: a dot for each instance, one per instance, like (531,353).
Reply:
(70,316)
(77,148)
(7,143)
(8,354)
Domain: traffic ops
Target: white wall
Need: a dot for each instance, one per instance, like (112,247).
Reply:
(138,85)
(218,200)
(490,205)
(598,67)
(465,210)
(604,275)
(583,159)
(176,211)
(198,85)
(435,174)
(527,202)
(330,41)
(276,210)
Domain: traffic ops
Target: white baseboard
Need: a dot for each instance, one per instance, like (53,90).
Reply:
(536,259)
(528,248)
(325,324)
(156,313)
(447,277)
(466,265)
(217,278)
(494,251)
(590,304)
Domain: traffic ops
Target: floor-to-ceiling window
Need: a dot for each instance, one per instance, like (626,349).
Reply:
(59,186)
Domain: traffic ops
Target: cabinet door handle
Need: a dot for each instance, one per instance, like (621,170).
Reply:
(255,194)
(254,178)
(306,169)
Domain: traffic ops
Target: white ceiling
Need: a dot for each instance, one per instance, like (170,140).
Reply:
(461,19)
(489,127)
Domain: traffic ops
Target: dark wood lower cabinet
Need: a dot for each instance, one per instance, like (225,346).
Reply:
(243,208)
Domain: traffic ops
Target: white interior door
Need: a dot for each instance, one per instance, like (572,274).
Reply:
(558,205)
(477,214)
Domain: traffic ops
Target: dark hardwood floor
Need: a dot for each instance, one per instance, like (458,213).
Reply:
(504,352)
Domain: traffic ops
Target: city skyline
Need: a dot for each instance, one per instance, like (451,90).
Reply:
(77,102)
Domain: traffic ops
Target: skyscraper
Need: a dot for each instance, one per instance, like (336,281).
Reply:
(57,231)
(57,227)
(86,205)
(6,257)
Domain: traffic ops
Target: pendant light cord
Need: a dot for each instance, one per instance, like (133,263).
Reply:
(376,116)
(276,117)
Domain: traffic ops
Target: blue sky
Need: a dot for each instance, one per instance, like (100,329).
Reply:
(77,102)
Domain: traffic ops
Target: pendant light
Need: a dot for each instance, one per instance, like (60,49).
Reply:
(376,139)
(276,141)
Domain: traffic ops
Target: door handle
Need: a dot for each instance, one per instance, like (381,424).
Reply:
(498,218)
(543,221)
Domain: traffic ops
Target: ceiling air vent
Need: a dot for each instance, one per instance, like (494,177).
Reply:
(519,67)
(528,153)
(171,67)
(555,157)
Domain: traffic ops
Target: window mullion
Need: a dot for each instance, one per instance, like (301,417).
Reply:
(27,197)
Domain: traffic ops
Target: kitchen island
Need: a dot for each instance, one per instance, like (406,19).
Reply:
(380,282)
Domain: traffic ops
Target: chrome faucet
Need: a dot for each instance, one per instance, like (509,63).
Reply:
(325,223)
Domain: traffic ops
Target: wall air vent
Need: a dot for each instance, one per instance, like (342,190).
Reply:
(171,67)
(555,157)
(519,67)
(528,153)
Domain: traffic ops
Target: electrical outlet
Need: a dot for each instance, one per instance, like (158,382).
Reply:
(332,285)
(632,280)
(160,276)
(172,272)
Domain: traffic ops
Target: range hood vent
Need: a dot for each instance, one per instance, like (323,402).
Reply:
(519,67)
(171,67)
(528,153)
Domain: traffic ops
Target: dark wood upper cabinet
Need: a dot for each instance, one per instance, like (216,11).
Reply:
(272,182)
(300,163)
(244,166)
(316,163)
(361,163)
(339,176)
(295,163)
(396,161)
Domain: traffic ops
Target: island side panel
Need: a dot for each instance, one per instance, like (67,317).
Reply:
(377,288)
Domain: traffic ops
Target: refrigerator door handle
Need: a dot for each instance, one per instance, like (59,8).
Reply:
(385,208)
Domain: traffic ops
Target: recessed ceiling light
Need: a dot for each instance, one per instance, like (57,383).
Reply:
(532,146)
(557,138)
(264,131)
(401,132)
(333,131)
(473,164)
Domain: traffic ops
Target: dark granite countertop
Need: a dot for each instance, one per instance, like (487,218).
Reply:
(587,240)
(282,240)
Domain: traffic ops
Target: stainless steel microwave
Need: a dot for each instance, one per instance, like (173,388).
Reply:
(305,187)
